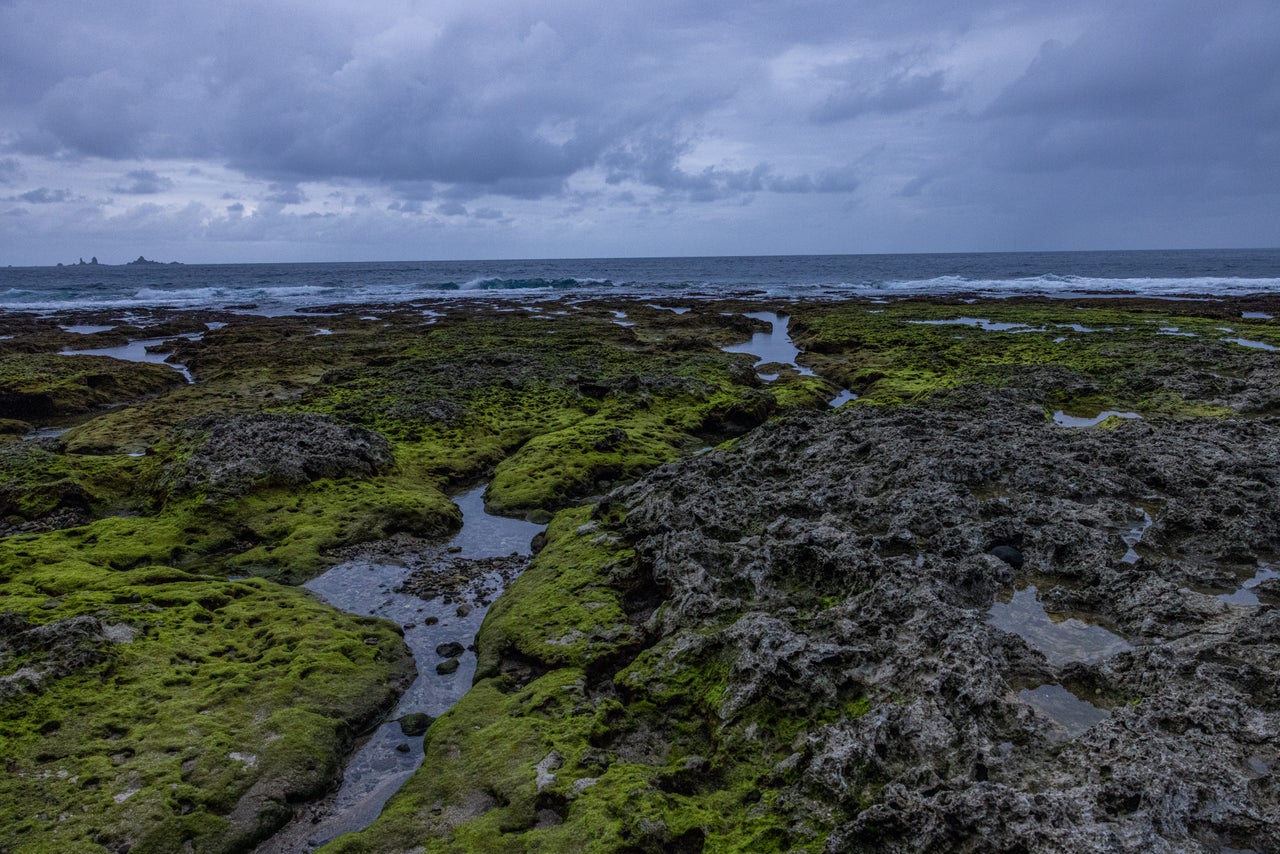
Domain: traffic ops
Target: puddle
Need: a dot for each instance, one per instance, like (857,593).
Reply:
(1061,641)
(1255,315)
(772,346)
(215,325)
(1173,330)
(669,308)
(86,329)
(980,323)
(1246,595)
(1065,709)
(1255,345)
(1075,327)
(381,766)
(136,351)
(842,398)
(1134,536)
(1062,419)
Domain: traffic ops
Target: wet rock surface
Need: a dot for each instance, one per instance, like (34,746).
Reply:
(235,452)
(31,656)
(856,555)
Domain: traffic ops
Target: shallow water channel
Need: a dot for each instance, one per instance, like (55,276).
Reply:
(136,351)
(388,758)
(776,347)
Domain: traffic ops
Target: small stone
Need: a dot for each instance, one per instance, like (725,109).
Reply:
(464,609)
(402,748)
(446,667)
(453,550)
(430,621)
(452,649)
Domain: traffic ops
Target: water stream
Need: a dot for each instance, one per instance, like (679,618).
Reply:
(772,346)
(136,351)
(1062,419)
(1254,345)
(388,758)
(776,347)
(1245,595)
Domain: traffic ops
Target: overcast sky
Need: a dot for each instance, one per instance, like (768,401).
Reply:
(281,130)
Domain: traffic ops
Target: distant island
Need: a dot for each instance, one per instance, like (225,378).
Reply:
(139,261)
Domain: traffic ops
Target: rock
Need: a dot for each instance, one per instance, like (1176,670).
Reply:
(833,558)
(415,723)
(444,668)
(233,453)
(452,649)
(542,771)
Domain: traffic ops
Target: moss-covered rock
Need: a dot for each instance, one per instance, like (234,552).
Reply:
(40,386)
(151,709)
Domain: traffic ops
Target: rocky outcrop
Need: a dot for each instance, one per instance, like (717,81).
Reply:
(232,453)
(830,558)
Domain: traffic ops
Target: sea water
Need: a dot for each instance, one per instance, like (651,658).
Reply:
(285,288)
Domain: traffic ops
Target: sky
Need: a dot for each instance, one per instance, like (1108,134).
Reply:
(317,130)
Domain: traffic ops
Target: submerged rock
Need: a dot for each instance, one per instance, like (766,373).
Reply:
(415,723)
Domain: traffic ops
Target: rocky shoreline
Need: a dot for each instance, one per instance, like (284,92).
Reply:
(788,642)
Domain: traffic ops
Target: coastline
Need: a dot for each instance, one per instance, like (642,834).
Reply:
(734,627)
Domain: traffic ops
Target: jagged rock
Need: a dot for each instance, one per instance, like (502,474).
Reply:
(233,453)
(831,557)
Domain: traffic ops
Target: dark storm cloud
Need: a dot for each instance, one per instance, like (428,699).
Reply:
(509,101)
(143,182)
(992,122)
(1185,84)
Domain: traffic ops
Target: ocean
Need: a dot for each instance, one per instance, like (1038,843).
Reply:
(285,288)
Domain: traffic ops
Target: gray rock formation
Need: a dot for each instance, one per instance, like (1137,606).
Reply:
(831,558)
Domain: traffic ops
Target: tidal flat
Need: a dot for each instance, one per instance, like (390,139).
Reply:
(781,643)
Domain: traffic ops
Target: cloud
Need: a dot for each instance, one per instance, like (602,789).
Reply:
(1186,84)
(285,194)
(897,93)
(11,171)
(143,182)
(900,123)
(44,196)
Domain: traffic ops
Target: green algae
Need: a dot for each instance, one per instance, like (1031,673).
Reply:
(219,703)
(233,699)
(1127,358)
(44,385)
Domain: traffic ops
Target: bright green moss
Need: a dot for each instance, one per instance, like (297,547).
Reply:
(218,688)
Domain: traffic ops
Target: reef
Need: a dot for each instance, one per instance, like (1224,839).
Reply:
(754,623)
